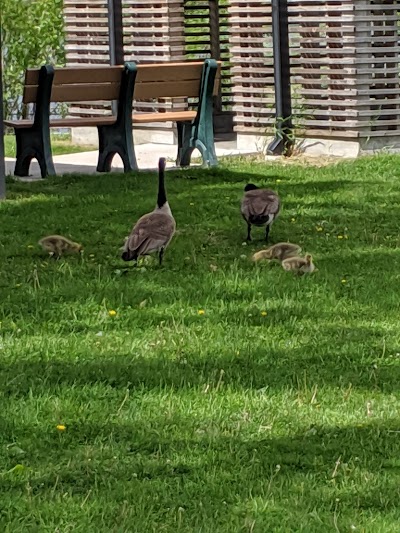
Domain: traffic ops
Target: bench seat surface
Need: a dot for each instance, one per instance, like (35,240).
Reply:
(138,118)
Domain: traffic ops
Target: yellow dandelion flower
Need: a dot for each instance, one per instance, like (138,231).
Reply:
(293,220)
(344,280)
(264,313)
(111,312)
(319,228)
(340,236)
(278,181)
(201,312)
(30,246)
(61,427)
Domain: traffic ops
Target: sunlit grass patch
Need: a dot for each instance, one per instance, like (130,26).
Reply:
(212,394)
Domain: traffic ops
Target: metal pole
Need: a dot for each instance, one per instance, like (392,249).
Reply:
(215,47)
(283,100)
(115,37)
(2,162)
(115,32)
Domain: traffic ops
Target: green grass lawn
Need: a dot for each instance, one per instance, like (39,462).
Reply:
(231,420)
(60,144)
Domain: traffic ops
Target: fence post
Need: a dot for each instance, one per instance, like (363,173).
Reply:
(2,162)
(283,104)
(115,37)
(215,47)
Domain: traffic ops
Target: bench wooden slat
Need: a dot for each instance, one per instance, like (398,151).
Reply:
(163,72)
(169,89)
(173,116)
(77,92)
(84,74)
(138,118)
(65,122)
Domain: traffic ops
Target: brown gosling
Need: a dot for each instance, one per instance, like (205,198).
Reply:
(279,251)
(259,207)
(57,245)
(153,231)
(300,265)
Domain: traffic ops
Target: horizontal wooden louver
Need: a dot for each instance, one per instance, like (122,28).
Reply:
(252,65)
(87,42)
(207,32)
(344,67)
(344,58)
(153,32)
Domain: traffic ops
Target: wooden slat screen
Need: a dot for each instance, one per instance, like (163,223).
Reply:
(252,65)
(344,67)
(153,32)
(207,35)
(86,34)
(344,58)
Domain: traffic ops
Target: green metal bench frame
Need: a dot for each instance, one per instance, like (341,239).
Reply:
(200,133)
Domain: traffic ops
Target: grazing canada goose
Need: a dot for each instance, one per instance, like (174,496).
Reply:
(56,245)
(279,251)
(259,207)
(300,265)
(154,231)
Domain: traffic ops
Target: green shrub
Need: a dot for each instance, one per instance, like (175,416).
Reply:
(32,34)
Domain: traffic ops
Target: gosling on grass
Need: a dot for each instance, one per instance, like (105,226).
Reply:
(299,265)
(57,245)
(152,232)
(259,207)
(279,251)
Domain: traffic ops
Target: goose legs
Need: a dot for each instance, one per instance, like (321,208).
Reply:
(248,232)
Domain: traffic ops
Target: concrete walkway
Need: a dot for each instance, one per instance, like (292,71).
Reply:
(147,156)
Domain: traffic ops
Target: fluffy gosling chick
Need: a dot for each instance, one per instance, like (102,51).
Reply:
(153,231)
(57,245)
(259,207)
(279,251)
(300,265)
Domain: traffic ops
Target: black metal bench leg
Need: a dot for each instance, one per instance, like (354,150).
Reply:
(112,141)
(204,141)
(184,140)
(32,145)
(207,150)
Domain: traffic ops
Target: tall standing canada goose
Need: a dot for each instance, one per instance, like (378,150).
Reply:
(154,231)
(259,207)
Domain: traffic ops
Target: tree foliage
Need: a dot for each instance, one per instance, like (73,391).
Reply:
(32,35)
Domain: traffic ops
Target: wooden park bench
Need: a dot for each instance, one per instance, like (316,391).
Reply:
(107,83)
(72,84)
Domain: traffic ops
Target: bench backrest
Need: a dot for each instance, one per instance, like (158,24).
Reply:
(92,83)
(77,84)
(171,80)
